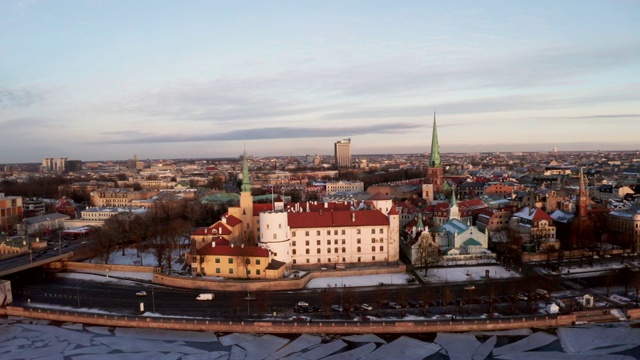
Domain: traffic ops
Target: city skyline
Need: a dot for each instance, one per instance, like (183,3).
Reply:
(105,80)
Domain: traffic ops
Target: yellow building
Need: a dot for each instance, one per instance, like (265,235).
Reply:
(241,262)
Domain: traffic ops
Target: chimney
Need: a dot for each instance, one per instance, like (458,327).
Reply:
(353,217)
(242,246)
(213,244)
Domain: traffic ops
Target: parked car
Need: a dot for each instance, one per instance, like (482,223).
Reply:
(303,304)
(141,293)
(394,305)
(337,308)
(366,307)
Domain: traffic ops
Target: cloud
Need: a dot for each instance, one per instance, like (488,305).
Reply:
(23,123)
(12,98)
(270,134)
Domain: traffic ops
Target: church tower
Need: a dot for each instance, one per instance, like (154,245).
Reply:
(435,173)
(246,204)
(582,199)
(454,211)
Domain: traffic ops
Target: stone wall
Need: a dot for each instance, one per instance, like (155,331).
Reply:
(633,314)
(88,267)
(293,327)
(266,285)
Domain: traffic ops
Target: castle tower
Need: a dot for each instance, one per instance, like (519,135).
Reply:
(244,212)
(274,235)
(435,172)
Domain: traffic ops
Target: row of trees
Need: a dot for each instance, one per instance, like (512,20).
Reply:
(163,231)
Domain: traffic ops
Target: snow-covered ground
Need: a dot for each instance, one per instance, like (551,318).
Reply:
(36,339)
(469,273)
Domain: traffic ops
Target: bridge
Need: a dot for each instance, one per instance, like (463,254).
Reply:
(29,261)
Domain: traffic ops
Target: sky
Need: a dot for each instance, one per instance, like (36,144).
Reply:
(104,80)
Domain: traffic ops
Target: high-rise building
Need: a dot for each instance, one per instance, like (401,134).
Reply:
(56,165)
(343,153)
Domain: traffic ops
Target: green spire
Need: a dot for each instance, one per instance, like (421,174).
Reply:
(246,182)
(454,201)
(434,161)
(420,225)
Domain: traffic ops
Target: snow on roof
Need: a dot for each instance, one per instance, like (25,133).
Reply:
(454,226)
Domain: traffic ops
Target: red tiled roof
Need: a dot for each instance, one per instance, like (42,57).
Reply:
(337,219)
(254,251)
(232,220)
(379,196)
(219,227)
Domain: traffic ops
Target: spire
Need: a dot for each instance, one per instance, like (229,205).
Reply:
(246,181)
(454,201)
(419,224)
(434,160)
(454,212)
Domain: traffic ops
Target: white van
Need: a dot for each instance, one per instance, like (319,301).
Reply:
(207,296)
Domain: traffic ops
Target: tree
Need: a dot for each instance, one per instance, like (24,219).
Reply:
(428,252)
(103,244)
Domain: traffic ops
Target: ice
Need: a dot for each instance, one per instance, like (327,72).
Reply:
(513,332)
(368,338)
(358,353)
(14,343)
(237,353)
(235,338)
(483,351)
(8,332)
(404,348)
(304,341)
(70,326)
(149,355)
(263,346)
(100,330)
(581,339)
(363,280)
(216,355)
(171,335)
(74,337)
(171,356)
(536,340)
(323,350)
(100,349)
(458,346)
(30,352)
(126,344)
(555,355)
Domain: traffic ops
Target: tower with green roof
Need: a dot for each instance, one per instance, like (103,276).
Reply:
(435,173)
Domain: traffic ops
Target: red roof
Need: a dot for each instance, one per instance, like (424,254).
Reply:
(232,220)
(218,228)
(318,219)
(254,251)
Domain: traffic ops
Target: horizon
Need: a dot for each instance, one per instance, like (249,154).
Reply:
(190,79)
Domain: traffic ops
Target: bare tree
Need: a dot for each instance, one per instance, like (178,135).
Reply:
(428,252)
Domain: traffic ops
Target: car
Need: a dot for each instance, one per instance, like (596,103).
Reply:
(337,308)
(522,296)
(141,293)
(470,287)
(413,304)
(394,305)
(303,304)
(366,307)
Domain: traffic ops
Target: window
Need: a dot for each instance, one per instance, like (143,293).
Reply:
(275,236)
(344,249)
(373,231)
(258,271)
(335,232)
(257,261)
(307,251)
(293,234)
(373,258)
(328,232)
(359,259)
(381,231)
(381,240)
(248,261)
(293,243)
(358,241)
(248,271)
(328,242)
(335,242)
(230,270)
(373,241)
(373,248)
(217,270)
(328,250)
(217,261)
(306,242)
(359,249)
(358,231)
(267,226)
(344,232)
(230,260)
(279,226)
(344,241)
(306,233)
(318,232)
(336,250)
(381,248)
(308,261)
(318,242)
(318,251)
